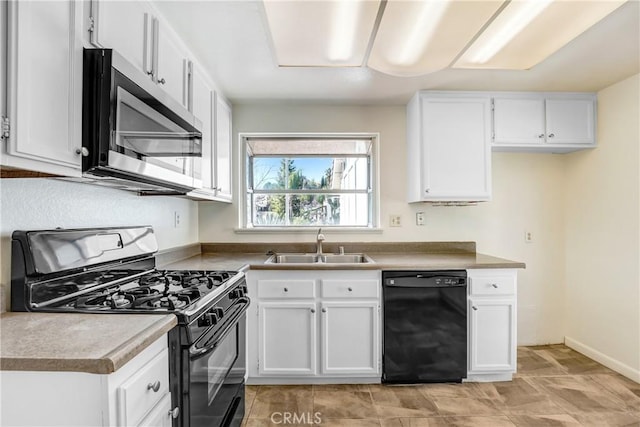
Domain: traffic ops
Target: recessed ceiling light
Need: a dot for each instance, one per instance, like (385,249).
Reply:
(420,37)
(528,31)
(321,33)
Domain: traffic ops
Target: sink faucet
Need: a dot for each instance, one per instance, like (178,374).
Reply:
(319,240)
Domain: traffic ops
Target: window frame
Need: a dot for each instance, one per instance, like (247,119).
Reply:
(374,171)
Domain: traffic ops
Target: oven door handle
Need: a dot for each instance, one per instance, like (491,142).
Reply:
(196,353)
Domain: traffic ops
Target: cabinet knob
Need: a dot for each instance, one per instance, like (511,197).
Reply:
(154,386)
(551,135)
(84,151)
(324,310)
(286,289)
(541,135)
(173,413)
(426,191)
(474,308)
(350,289)
(495,285)
(313,310)
(162,81)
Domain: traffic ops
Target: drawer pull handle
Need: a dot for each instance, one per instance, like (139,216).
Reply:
(174,412)
(474,308)
(494,285)
(350,289)
(154,386)
(286,289)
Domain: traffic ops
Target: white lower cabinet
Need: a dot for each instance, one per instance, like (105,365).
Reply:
(137,394)
(314,326)
(349,331)
(492,324)
(287,338)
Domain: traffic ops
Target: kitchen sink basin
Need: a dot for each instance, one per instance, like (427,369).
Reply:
(294,259)
(319,259)
(346,259)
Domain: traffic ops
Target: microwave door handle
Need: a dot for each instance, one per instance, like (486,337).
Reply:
(201,352)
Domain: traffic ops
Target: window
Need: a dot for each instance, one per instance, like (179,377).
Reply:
(309,181)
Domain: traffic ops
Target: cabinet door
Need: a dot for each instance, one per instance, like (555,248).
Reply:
(126,27)
(570,121)
(223,149)
(456,148)
(492,335)
(171,64)
(202,108)
(44,86)
(160,415)
(350,338)
(287,338)
(519,121)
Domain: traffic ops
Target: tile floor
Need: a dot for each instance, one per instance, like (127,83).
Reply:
(554,386)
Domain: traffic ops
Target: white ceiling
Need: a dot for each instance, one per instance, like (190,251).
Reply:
(232,41)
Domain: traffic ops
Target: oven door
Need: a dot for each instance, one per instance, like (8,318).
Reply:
(215,393)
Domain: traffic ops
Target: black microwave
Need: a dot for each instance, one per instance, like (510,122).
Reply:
(134,135)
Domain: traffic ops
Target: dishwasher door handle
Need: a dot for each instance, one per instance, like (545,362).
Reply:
(390,283)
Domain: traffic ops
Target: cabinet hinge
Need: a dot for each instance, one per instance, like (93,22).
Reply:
(92,24)
(5,132)
(493,106)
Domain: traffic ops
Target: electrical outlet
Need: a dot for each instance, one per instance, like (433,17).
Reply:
(419,218)
(395,221)
(528,237)
(176,219)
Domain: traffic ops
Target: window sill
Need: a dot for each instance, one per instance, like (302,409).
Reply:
(307,230)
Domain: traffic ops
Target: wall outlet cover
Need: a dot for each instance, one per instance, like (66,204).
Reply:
(395,221)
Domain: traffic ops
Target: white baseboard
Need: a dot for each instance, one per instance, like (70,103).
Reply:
(607,361)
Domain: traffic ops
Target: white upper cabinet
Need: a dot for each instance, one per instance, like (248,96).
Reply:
(171,64)
(223,141)
(135,30)
(448,147)
(518,120)
(571,120)
(202,96)
(42,123)
(127,27)
(551,122)
(215,114)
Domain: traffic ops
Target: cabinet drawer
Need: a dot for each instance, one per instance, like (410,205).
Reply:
(494,285)
(142,391)
(350,288)
(286,289)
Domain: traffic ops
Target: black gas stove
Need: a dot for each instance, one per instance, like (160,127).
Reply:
(111,271)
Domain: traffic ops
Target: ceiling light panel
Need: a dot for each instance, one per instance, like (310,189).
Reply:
(528,31)
(420,37)
(324,33)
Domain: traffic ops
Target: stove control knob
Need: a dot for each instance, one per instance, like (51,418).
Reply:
(204,321)
(236,293)
(218,312)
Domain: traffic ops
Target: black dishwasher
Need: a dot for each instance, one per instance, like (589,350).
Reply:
(425,326)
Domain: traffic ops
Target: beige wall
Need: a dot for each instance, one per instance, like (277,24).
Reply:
(37,203)
(602,232)
(527,196)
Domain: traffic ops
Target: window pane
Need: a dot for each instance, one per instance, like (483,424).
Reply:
(310,210)
(310,173)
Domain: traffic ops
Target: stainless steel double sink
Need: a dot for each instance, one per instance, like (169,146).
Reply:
(319,259)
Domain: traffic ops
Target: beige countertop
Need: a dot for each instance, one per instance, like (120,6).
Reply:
(75,342)
(382,261)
